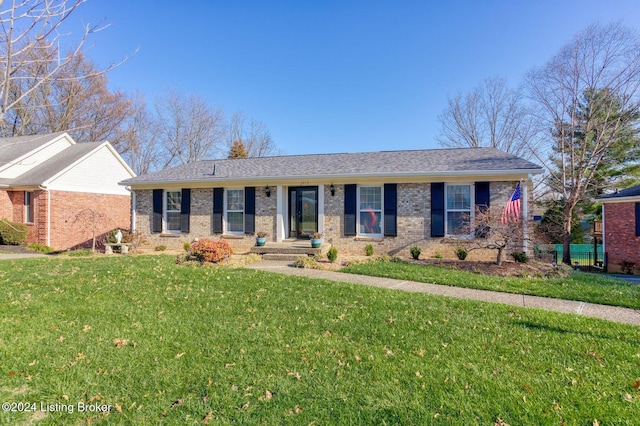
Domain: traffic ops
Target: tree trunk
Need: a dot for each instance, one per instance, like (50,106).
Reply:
(499,259)
(566,240)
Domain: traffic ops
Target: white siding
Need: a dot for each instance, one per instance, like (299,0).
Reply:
(35,158)
(99,173)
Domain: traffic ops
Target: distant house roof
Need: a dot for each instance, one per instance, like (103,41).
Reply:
(16,147)
(434,162)
(634,191)
(54,165)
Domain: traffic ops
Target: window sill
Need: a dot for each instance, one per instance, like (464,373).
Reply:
(374,239)
(171,235)
(232,236)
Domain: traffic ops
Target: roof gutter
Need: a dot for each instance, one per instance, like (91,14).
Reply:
(523,172)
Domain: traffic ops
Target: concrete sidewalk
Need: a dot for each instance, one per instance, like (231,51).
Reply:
(611,313)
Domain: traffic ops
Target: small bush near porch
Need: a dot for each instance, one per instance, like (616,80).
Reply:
(160,343)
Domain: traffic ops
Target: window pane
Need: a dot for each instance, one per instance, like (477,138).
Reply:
(235,221)
(28,207)
(371,198)
(235,199)
(174,200)
(173,221)
(459,197)
(370,222)
(458,223)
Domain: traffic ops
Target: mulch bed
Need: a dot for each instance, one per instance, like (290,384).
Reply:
(508,268)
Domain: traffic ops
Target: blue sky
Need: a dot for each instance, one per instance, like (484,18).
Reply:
(336,76)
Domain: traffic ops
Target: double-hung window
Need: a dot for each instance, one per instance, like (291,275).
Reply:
(28,207)
(173,202)
(235,211)
(458,210)
(370,211)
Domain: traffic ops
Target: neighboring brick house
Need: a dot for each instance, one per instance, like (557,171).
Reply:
(65,192)
(393,199)
(621,229)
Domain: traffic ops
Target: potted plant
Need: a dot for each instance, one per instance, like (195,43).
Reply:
(261,238)
(316,239)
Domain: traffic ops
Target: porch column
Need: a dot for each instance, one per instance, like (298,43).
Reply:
(280,208)
(321,209)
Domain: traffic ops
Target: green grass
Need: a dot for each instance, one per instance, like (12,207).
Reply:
(251,347)
(580,286)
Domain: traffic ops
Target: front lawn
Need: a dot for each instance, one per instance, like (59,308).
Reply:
(580,286)
(160,343)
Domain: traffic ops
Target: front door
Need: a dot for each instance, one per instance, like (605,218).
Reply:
(303,211)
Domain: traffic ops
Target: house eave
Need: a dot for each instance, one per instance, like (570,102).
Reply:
(629,199)
(342,178)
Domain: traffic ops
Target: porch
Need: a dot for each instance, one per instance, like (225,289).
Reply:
(289,250)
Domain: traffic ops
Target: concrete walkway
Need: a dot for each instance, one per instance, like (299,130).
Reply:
(8,256)
(611,313)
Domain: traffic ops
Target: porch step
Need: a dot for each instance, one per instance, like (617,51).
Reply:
(296,249)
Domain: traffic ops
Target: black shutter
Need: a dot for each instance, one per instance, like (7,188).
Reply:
(390,209)
(249,210)
(156,225)
(350,210)
(185,210)
(437,209)
(483,201)
(218,209)
(637,219)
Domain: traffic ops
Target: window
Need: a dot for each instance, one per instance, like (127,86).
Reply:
(370,210)
(235,210)
(173,201)
(458,210)
(28,207)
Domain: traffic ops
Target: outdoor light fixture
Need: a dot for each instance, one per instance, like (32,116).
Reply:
(267,191)
(333,190)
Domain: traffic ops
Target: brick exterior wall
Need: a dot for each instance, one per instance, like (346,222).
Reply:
(413,222)
(622,245)
(75,216)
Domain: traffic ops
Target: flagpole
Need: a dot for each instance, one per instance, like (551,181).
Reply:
(525,214)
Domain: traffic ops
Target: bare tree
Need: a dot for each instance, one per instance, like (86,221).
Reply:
(139,147)
(253,134)
(491,115)
(189,129)
(84,107)
(587,97)
(494,233)
(30,31)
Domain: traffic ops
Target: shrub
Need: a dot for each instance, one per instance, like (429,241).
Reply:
(461,253)
(160,248)
(437,256)
(368,250)
(261,234)
(12,233)
(306,262)
(520,257)
(332,254)
(207,250)
(415,252)
(40,248)
(627,267)
(187,246)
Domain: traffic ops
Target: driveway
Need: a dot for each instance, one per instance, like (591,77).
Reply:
(631,278)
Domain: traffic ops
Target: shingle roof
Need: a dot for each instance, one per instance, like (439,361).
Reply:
(387,163)
(14,148)
(634,191)
(49,168)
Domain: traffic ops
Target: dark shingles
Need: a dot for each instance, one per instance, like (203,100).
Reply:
(388,163)
(634,191)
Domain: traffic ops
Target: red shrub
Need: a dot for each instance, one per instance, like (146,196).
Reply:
(211,251)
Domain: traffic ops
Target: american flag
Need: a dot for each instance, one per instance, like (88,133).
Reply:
(511,211)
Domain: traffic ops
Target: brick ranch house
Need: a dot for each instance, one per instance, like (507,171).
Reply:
(393,200)
(621,228)
(65,192)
